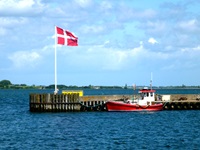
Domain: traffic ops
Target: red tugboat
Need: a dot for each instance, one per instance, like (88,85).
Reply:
(146,102)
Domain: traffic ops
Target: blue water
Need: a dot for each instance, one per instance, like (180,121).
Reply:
(131,91)
(21,129)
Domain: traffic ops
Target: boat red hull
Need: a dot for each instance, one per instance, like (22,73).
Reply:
(120,106)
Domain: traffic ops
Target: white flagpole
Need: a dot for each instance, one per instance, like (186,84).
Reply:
(56,90)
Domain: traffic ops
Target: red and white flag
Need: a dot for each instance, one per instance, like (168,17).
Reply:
(65,37)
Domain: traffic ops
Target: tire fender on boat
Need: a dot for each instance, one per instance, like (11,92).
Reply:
(144,107)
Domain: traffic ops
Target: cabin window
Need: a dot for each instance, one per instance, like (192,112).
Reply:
(147,94)
(142,95)
(151,94)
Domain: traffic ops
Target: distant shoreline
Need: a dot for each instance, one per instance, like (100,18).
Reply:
(61,87)
(6,84)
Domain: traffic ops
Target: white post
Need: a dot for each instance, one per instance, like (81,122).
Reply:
(56,90)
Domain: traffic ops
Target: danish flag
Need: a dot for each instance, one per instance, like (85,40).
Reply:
(65,37)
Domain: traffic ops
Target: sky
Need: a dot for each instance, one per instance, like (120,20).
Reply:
(119,42)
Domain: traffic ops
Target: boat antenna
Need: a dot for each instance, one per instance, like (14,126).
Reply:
(151,80)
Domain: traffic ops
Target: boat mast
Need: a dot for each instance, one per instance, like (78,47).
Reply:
(151,80)
(134,88)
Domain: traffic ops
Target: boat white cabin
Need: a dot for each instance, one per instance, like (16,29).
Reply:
(147,96)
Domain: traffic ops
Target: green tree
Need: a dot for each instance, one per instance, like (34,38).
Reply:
(5,83)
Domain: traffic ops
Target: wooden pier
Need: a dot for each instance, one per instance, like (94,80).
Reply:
(54,103)
(74,102)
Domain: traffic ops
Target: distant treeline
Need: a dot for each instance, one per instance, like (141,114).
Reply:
(6,84)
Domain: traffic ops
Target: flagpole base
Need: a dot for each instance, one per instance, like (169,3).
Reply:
(56,91)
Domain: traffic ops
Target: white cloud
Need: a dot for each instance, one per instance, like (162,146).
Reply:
(128,13)
(92,29)
(16,4)
(190,25)
(11,22)
(2,31)
(102,58)
(152,41)
(20,7)
(169,67)
(22,59)
(105,5)
(156,27)
(148,13)
(83,3)
(191,49)
(114,59)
